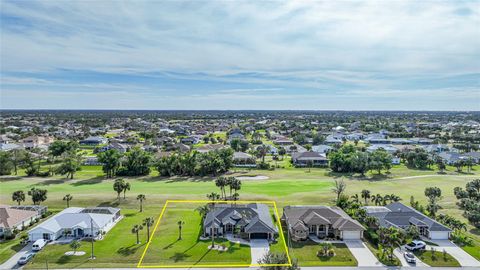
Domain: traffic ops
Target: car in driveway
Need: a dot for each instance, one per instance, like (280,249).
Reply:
(416,245)
(409,257)
(25,258)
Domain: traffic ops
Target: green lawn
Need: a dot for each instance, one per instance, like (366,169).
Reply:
(306,254)
(166,249)
(382,258)
(9,248)
(118,249)
(438,259)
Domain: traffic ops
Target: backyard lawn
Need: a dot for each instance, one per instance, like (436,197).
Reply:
(437,258)
(167,249)
(306,254)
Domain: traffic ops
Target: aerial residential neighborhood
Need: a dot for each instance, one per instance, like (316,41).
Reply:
(240,134)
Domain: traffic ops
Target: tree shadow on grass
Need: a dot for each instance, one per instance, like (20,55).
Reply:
(91,181)
(127,251)
(170,245)
(64,259)
(109,204)
(52,182)
(354,176)
(201,258)
(176,179)
(10,178)
(179,256)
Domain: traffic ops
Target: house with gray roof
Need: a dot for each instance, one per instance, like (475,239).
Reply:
(309,158)
(401,216)
(76,222)
(248,221)
(320,221)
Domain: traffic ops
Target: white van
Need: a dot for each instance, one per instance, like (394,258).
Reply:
(39,244)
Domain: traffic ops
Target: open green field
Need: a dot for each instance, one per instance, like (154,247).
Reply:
(166,249)
(287,186)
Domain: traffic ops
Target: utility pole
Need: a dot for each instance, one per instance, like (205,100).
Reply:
(91,231)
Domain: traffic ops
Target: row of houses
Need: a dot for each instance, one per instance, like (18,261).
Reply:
(254,221)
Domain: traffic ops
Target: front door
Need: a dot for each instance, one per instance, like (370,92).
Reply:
(46,236)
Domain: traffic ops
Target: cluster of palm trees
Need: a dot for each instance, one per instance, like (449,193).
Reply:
(377,199)
(148,223)
(389,239)
(233,185)
(120,186)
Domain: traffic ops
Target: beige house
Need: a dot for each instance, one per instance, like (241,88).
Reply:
(320,221)
(11,218)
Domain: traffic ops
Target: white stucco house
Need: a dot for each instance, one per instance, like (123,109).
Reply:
(76,222)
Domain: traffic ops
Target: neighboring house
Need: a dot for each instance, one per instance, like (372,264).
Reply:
(389,148)
(36,141)
(250,221)
(436,148)
(91,161)
(78,222)
(242,159)
(4,139)
(401,216)
(451,157)
(320,221)
(122,148)
(9,146)
(180,147)
(94,140)
(210,147)
(283,141)
(377,138)
(306,159)
(12,218)
(190,140)
(322,149)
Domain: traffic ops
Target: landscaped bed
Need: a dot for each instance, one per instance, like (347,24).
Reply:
(306,254)
(436,258)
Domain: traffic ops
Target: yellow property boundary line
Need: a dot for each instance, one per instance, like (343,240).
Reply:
(273,203)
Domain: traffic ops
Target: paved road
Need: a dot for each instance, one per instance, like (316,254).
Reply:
(458,253)
(12,262)
(361,252)
(258,249)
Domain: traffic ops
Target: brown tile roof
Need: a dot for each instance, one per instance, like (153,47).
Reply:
(10,217)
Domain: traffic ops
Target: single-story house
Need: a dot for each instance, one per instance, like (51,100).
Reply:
(242,159)
(320,221)
(94,140)
(451,157)
(283,141)
(309,158)
(210,147)
(322,149)
(77,222)
(389,148)
(11,218)
(401,216)
(249,221)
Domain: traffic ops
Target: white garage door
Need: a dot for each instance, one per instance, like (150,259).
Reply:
(439,235)
(349,235)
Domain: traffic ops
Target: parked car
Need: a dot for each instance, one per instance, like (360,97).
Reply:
(416,245)
(409,257)
(39,244)
(25,258)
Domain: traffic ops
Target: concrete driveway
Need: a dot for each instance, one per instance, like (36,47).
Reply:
(12,262)
(258,248)
(398,252)
(457,252)
(361,252)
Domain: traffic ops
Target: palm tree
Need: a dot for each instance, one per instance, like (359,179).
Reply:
(377,199)
(136,229)
(18,196)
(213,197)
(141,198)
(339,188)
(203,210)
(68,198)
(180,225)
(148,222)
(221,182)
(125,187)
(118,187)
(386,199)
(75,245)
(355,198)
(366,195)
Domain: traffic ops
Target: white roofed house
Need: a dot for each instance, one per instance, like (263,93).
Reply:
(76,222)
(241,159)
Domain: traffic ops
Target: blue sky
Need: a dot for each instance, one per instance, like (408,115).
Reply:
(315,55)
